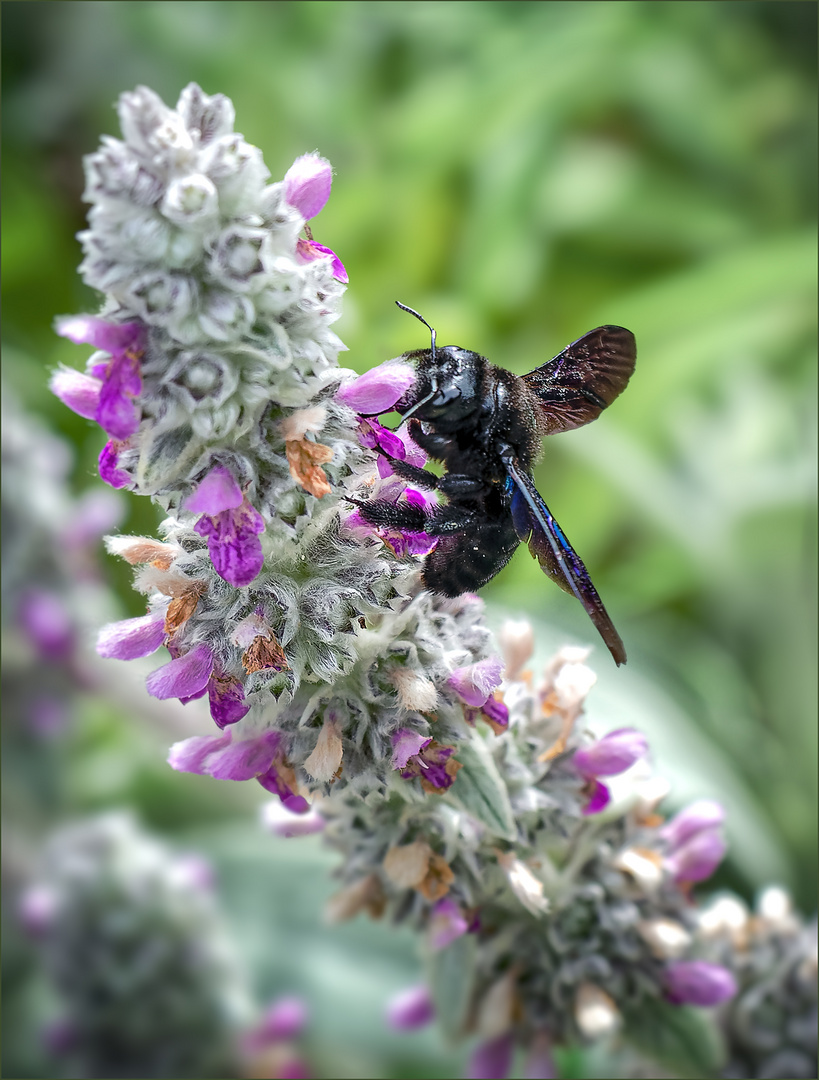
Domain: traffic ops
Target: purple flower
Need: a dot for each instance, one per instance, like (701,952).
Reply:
(493,711)
(401,542)
(406,744)
(612,754)
(192,755)
(117,412)
(598,797)
(434,765)
(283,1019)
(245,759)
(492,1060)
(407,542)
(233,544)
(108,467)
(696,982)
(81,393)
(45,621)
(474,684)
(410,1009)
(218,491)
(307,188)
(37,909)
(280,780)
(183,677)
(446,923)
(377,437)
(226,696)
(132,638)
(109,337)
(695,844)
(377,390)
(307,184)
(308,250)
(700,815)
(697,858)
(220,757)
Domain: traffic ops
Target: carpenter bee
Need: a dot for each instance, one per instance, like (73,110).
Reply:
(485,425)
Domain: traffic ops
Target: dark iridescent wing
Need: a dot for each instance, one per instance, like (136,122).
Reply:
(587,376)
(536,526)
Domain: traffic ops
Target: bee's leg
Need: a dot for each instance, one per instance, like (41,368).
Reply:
(389,515)
(446,520)
(413,473)
(454,485)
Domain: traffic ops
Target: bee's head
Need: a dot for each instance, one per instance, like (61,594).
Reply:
(448,383)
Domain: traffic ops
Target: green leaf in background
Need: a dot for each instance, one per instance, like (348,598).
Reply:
(481,791)
(681,1038)
(449,977)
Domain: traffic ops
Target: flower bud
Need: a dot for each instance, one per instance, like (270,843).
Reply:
(696,982)
(410,1009)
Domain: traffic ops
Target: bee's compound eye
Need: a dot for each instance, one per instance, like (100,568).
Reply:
(445,396)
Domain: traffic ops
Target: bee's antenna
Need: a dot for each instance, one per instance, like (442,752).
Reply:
(420,318)
(417,405)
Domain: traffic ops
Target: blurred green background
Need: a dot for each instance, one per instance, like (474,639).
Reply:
(520,173)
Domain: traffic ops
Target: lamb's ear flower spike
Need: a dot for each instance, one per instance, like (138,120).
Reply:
(360,700)
(95,877)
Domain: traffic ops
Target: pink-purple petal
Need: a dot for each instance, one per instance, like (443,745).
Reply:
(118,413)
(698,857)
(599,798)
(283,1019)
(377,390)
(218,491)
(446,924)
(227,700)
(184,676)
(233,544)
(612,754)
(245,759)
(697,982)
(699,815)
(46,622)
(307,184)
(92,330)
(492,1060)
(473,684)
(337,267)
(496,711)
(81,393)
(308,250)
(406,744)
(131,638)
(410,1009)
(108,466)
(191,755)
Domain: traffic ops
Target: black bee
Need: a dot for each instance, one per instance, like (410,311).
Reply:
(485,424)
